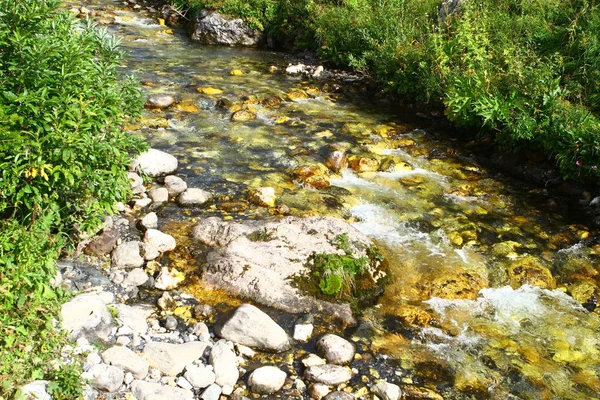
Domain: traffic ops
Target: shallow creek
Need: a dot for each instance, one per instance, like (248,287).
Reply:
(487,286)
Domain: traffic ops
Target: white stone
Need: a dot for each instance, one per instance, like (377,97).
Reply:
(295,69)
(245,351)
(135,277)
(155,163)
(150,252)
(86,315)
(199,376)
(266,380)
(123,340)
(224,362)
(171,359)
(159,194)
(160,101)
(127,255)
(135,179)
(329,374)
(168,280)
(141,203)
(386,391)
(133,317)
(318,71)
(91,360)
(264,196)
(303,332)
(194,197)
(159,240)
(175,185)
(105,377)
(251,327)
(128,378)
(318,391)
(183,383)
(127,360)
(213,392)
(336,349)
(36,390)
(313,359)
(201,330)
(150,221)
(155,391)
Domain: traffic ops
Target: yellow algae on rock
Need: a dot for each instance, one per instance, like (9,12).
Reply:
(530,270)
(296,95)
(236,72)
(209,90)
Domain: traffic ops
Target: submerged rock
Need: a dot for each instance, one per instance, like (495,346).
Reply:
(160,101)
(261,260)
(530,270)
(210,27)
(328,374)
(243,116)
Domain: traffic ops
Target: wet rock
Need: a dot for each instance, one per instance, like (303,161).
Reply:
(135,277)
(210,27)
(303,332)
(209,90)
(105,377)
(36,390)
(126,360)
(86,316)
(156,163)
(153,391)
(312,176)
(313,359)
(272,102)
(585,293)
(175,185)
(213,392)
(530,270)
(194,197)
(150,221)
(337,160)
(420,393)
(159,240)
(363,164)
(328,374)
(453,284)
(335,349)
(224,362)
(127,255)
(264,196)
(243,116)
(103,244)
(168,279)
(266,380)
(251,327)
(160,101)
(170,322)
(171,359)
(258,260)
(386,391)
(338,395)
(199,376)
(159,194)
(390,164)
(296,95)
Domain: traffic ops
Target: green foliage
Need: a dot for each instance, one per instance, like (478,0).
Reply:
(62,105)
(331,284)
(66,383)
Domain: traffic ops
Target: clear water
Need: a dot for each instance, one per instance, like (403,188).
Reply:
(464,245)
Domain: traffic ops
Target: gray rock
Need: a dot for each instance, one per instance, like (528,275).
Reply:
(199,376)
(81,275)
(170,322)
(210,27)
(150,252)
(86,316)
(134,317)
(127,360)
(127,255)
(150,221)
(135,180)
(103,244)
(105,377)
(159,194)
(167,280)
(224,362)
(171,359)
(194,197)
(156,163)
(160,101)
(386,391)
(251,327)
(155,391)
(335,349)
(135,277)
(328,374)
(337,395)
(201,330)
(213,392)
(36,390)
(448,8)
(263,270)
(159,240)
(266,380)
(175,185)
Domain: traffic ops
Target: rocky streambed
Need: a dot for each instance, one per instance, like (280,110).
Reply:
(489,290)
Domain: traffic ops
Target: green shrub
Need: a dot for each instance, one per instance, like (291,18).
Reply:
(62,105)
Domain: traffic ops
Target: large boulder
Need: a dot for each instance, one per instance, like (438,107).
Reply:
(210,27)
(261,260)
(251,327)
(86,316)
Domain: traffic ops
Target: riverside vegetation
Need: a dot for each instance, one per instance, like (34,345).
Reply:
(526,72)
(63,162)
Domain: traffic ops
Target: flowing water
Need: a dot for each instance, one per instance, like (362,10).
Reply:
(491,292)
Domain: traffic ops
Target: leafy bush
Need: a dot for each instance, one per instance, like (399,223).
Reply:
(62,104)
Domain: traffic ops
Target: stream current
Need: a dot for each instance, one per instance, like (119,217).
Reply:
(492,295)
